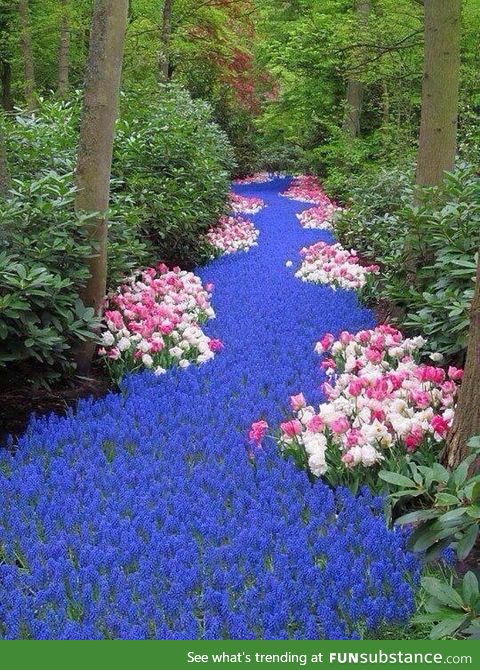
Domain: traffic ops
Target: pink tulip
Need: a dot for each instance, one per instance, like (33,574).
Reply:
(373,355)
(215,345)
(420,398)
(352,437)
(297,402)
(439,425)
(257,431)
(340,425)
(345,337)
(414,439)
(327,341)
(316,424)
(456,374)
(328,363)
(291,428)
(355,387)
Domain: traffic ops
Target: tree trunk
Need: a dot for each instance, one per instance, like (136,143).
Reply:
(438,126)
(164,61)
(354,100)
(64,50)
(6,82)
(27,54)
(4,174)
(441,76)
(94,161)
(466,423)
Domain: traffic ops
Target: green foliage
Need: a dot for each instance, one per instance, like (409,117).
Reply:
(454,610)
(369,222)
(451,516)
(444,233)
(45,141)
(171,172)
(42,268)
(175,164)
(171,176)
(446,240)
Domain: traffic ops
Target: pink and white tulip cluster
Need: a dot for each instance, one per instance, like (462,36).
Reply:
(305,188)
(231,234)
(381,402)
(333,265)
(319,217)
(153,320)
(257,178)
(242,204)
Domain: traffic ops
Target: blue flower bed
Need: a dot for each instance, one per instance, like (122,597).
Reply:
(141,517)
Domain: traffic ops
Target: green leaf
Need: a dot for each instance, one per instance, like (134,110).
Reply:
(474,442)
(473,631)
(440,474)
(447,626)
(446,499)
(420,515)
(452,515)
(470,588)
(443,592)
(424,538)
(396,478)
(467,542)
(460,474)
(475,495)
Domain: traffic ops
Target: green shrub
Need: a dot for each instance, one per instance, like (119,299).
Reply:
(175,164)
(447,242)
(171,176)
(369,222)
(171,172)
(45,141)
(43,245)
(444,230)
(450,505)
(452,610)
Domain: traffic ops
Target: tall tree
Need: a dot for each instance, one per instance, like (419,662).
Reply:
(4,174)
(64,49)
(441,76)
(6,22)
(466,423)
(166,33)
(94,161)
(27,53)
(354,101)
(6,84)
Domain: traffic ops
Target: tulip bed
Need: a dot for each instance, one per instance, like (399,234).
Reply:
(232,234)
(333,265)
(318,217)
(381,404)
(154,320)
(241,204)
(141,515)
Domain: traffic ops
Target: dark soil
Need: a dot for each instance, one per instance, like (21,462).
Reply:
(18,401)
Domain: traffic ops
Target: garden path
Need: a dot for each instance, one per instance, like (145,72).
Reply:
(141,509)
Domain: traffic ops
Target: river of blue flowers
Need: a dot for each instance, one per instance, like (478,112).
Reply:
(140,515)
